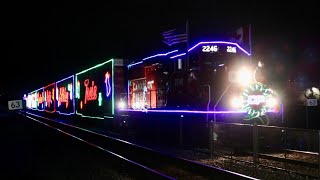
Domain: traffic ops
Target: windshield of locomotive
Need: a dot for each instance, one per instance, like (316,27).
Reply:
(211,66)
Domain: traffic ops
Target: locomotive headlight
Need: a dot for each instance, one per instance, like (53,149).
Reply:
(236,102)
(244,76)
(121,104)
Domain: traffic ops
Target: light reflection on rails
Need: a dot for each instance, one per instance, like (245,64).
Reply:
(201,167)
(99,147)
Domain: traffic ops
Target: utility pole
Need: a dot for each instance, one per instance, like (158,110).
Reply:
(187,48)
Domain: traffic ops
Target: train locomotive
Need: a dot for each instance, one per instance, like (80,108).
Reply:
(167,94)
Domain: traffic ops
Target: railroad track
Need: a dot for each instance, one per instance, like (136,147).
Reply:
(152,163)
(267,156)
(289,161)
(229,153)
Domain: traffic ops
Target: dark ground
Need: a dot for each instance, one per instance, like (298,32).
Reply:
(30,150)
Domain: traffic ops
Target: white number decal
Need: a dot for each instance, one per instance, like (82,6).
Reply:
(231,49)
(210,48)
(205,48)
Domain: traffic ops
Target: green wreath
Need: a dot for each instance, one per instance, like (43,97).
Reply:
(254,100)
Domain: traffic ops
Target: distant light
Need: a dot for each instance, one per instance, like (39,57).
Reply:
(221,65)
(315,92)
(308,92)
(260,64)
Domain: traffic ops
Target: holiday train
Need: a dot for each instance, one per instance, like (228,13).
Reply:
(213,81)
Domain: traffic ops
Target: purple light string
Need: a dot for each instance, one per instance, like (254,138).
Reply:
(64,79)
(186,111)
(178,55)
(130,65)
(162,54)
(153,56)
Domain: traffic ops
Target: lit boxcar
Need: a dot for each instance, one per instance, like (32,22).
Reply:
(65,102)
(49,98)
(40,99)
(98,88)
(35,100)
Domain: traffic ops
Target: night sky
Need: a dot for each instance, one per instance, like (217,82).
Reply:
(46,42)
